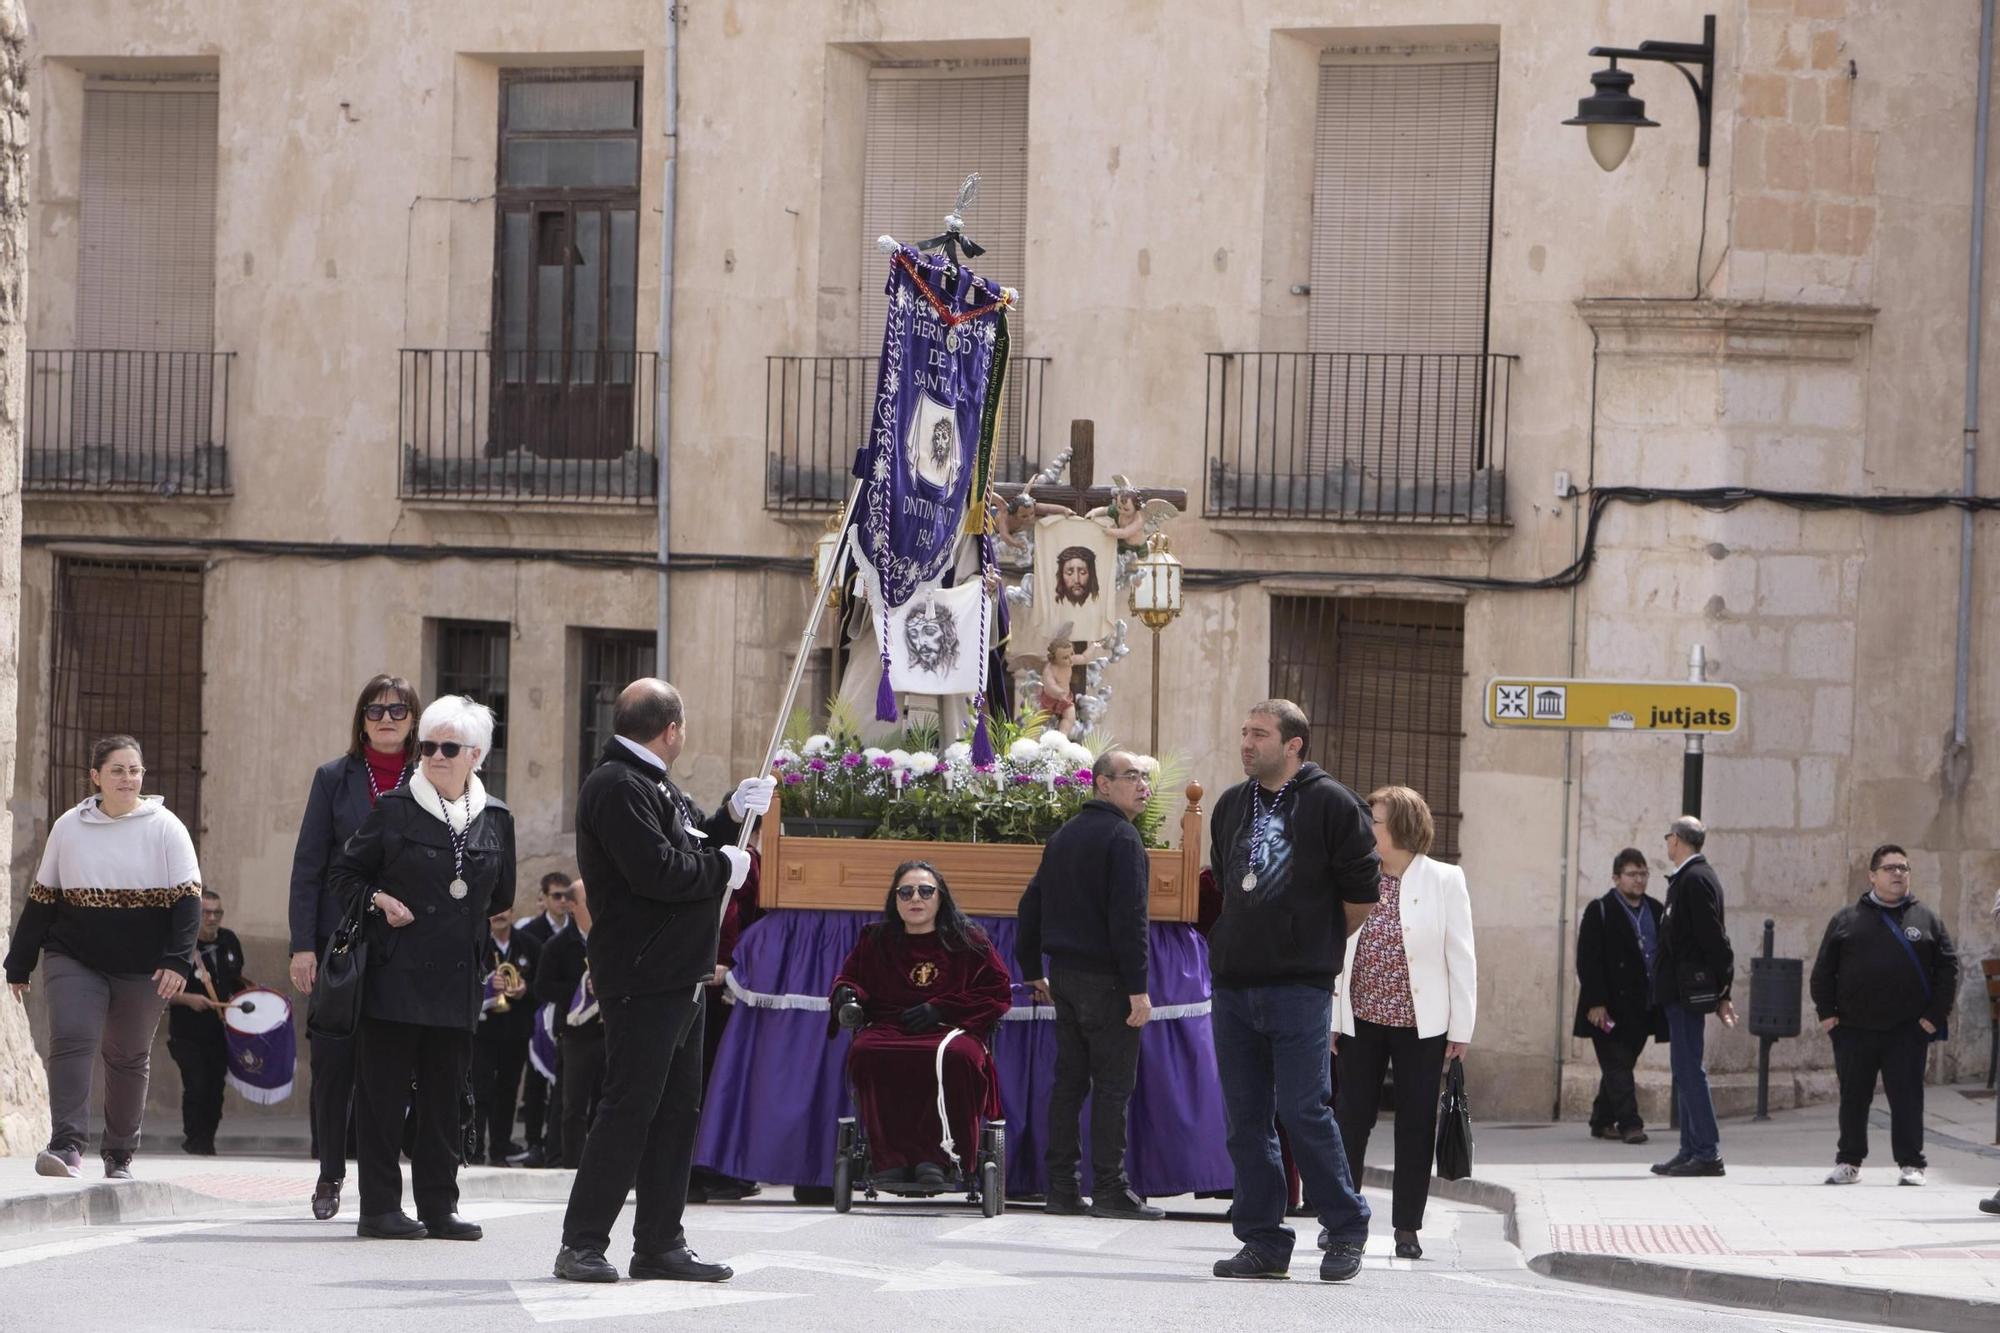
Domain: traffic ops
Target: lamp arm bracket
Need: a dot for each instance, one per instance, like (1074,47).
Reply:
(1681,55)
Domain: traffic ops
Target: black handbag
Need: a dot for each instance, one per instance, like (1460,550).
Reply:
(335,1012)
(1700,991)
(1454,1149)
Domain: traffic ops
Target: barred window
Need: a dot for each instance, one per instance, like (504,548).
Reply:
(472,661)
(612,659)
(1383,681)
(127,658)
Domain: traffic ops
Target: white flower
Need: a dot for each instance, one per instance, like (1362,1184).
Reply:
(1053,740)
(1078,755)
(900,758)
(1024,752)
(786,756)
(873,752)
(1147,764)
(923,763)
(958,752)
(818,747)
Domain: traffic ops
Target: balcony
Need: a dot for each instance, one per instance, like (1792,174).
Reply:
(1371,437)
(573,429)
(816,412)
(137,423)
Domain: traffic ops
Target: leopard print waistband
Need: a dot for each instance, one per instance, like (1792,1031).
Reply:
(118,897)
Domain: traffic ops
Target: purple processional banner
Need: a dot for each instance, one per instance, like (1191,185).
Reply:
(779,1087)
(923,465)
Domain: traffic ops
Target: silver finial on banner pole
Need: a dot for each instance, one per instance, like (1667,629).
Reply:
(968,195)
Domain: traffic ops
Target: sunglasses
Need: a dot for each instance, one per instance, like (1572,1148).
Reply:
(394,712)
(449,749)
(909,891)
(558,895)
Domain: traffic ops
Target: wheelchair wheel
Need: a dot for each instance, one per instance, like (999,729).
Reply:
(843,1167)
(992,1190)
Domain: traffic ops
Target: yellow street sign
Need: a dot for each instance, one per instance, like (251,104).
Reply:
(1612,705)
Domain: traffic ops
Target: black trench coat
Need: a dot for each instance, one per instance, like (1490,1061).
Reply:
(427,972)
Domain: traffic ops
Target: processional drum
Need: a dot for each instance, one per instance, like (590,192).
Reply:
(257,1028)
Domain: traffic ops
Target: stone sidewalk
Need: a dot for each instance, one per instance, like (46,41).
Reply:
(1770,1234)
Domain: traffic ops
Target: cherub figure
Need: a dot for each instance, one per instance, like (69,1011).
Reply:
(1054,669)
(1014,520)
(1131,519)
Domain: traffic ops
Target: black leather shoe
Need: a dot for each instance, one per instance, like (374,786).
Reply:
(391,1226)
(1991,1205)
(930,1174)
(451,1226)
(1667,1167)
(584,1266)
(326,1199)
(1246,1262)
(1634,1136)
(1325,1238)
(678,1266)
(1341,1261)
(1696,1166)
(1065,1203)
(1407,1246)
(1124,1206)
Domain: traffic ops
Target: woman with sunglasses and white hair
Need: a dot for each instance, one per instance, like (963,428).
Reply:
(433,860)
(381,747)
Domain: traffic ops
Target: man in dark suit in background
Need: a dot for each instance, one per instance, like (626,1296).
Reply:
(657,873)
(500,1046)
(1617,944)
(1691,981)
(541,1098)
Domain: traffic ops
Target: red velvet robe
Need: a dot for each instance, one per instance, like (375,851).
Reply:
(894,1073)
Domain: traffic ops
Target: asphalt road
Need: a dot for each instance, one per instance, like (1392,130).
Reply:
(894,1266)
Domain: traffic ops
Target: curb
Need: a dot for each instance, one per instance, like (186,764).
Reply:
(107,1203)
(1776,1295)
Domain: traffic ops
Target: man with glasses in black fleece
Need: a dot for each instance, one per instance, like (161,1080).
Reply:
(1086,908)
(1883,986)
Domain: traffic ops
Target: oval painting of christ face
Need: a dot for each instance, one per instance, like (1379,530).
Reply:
(931,449)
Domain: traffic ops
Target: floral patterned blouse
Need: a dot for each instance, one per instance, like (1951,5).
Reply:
(1381,977)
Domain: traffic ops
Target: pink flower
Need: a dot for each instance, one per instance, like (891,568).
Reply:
(793,779)
(1023,779)
(850,760)
(1085,777)
(884,761)
(816,765)
(1063,780)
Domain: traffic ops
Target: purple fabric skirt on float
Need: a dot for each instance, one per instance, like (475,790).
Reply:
(773,1103)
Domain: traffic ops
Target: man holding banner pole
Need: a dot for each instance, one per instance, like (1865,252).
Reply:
(658,872)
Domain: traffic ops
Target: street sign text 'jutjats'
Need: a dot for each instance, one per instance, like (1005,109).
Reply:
(1612,705)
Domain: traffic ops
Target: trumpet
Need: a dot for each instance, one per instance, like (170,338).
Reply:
(506,977)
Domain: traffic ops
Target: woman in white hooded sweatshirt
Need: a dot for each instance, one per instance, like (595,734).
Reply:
(112,918)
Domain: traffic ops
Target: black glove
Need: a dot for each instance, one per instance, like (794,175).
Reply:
(922,1018)
(847,1008)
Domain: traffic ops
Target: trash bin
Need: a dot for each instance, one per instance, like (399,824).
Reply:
(1776,990)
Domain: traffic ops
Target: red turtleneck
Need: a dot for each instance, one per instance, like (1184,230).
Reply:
(386,769)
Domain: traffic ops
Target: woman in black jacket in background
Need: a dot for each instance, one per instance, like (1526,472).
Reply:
(382,745)
(432,861)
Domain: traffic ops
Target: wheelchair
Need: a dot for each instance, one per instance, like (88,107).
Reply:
(852,1171)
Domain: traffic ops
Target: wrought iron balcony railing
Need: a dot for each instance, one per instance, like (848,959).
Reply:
(1402,437)
(125,421)
(816,410)
(528,426)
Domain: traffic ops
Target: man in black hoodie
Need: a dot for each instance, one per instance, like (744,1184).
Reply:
(1883,986)
(1086,908)
(1294,854)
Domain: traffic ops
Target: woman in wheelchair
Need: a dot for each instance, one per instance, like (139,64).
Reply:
(921,976)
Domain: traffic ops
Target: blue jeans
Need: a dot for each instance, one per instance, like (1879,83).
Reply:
(1700,1137)
(1271,1054)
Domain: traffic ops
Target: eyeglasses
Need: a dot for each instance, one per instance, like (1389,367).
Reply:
(394,712)
(909,891)
(119,771)
(1129,775)
(558,895)
(1635,873)
(1894,870)
(449,749)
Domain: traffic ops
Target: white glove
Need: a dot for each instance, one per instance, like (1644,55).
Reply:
(739,866)
(752,797)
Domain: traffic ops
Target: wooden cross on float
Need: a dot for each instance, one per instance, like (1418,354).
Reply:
(1077,494)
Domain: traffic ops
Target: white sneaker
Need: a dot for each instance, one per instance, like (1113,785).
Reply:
(1844,1173)
(1912,1175)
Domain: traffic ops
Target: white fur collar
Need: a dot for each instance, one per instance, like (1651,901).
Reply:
(458,814)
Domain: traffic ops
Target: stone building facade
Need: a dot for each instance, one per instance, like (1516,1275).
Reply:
(1335,268)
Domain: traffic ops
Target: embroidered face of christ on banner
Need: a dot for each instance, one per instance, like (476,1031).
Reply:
(935,644)
(1076,570)
(944,355)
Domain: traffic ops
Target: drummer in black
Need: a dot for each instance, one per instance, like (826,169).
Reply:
(194,1027)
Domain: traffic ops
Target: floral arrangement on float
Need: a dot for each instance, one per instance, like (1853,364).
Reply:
(830,785)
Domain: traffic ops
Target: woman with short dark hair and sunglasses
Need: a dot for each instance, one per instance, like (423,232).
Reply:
(382,745)
(431,865)
(922,976)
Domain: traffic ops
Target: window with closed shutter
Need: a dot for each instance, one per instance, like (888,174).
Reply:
(1382,680)
(1401,231)
(141,383)
(472,659)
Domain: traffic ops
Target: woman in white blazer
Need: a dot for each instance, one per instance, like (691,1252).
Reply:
(1405,999)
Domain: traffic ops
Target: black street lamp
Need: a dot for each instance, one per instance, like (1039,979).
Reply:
(1610,115)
